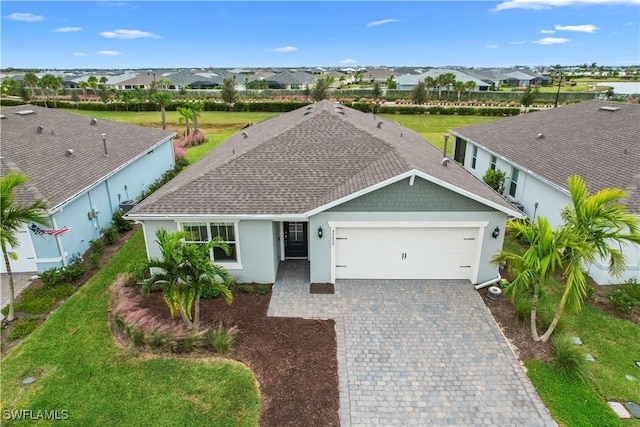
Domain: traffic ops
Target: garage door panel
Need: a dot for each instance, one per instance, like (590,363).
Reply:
(406,253)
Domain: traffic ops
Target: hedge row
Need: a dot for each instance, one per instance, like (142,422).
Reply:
(460,111)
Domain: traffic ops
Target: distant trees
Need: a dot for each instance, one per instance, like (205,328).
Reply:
(419,93)
(229,92)
(391,82)
(470,87)
(320,89)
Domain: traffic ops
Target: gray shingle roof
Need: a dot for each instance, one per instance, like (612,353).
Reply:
(54,174)
(303,160)
(601,146)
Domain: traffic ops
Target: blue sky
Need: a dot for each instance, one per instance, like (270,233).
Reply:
(148,34)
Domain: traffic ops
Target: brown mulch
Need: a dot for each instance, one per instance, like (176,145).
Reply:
(294,360)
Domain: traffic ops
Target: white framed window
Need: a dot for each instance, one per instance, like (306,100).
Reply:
(204,232)
(474,159)
(494,161)
(513,185)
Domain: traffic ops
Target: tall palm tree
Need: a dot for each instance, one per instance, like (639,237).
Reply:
(12,219)
(470,86)
(185,117)
(596,225)
(430,82)
(534,267)
(196,109)
(30,79)
(448,80)
(459,87)
(92,82)
(162,98)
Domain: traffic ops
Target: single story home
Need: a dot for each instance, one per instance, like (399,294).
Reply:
(356,195)
(409,81)
(597,140)
(85,167)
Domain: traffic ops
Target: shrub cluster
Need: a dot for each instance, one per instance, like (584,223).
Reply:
(171,335)
(181,163)
(58,275)
(625,297)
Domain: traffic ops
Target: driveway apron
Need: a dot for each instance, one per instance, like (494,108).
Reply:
(415,352)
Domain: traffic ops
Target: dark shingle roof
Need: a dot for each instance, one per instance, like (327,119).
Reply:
(600,145)
(54,174)
(301,161)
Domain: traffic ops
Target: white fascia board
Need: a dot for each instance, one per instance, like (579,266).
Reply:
(511,162)
(217,217)
(408,224)
(426,177)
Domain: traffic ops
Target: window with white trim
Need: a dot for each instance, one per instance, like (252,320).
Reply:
(513,185)
(201,233)
(494,161)
(474,159)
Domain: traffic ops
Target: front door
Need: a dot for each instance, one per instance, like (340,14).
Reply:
(295,240)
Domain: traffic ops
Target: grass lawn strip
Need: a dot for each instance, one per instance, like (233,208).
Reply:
(78,368)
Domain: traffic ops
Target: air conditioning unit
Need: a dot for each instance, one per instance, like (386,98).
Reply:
(127,205)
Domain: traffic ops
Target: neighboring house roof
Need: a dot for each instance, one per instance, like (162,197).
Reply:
(292,78)
(600,145)
(54,172)
(304,161)
(413,79)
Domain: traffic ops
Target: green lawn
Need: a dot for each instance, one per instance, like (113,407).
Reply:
(79,369)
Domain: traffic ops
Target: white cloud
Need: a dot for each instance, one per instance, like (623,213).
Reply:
(348,61)
(549,4)
(518,42)
(284,49)
(113,4)
(108,52)
(128,34)
(547,31)
(79,54)
(552,40)
(67,29)
(382,22)
(492,46)
(626,24)
(26,17)
(578,28)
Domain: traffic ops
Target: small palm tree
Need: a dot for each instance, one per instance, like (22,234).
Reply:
(185,117)
(30,79)
(470,86)
(162,99)
(12,219)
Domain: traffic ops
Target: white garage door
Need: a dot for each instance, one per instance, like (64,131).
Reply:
(406,253)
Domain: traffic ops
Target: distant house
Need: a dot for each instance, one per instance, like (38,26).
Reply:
(599,141)
(291,80)
(356,195)
(409,81)
(86,168)
(510,77)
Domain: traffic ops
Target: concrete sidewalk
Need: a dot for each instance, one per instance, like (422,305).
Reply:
(20,282)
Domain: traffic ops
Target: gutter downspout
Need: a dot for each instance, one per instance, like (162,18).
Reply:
(487,283)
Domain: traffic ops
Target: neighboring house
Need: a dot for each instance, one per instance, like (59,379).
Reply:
(409,81)
(599,141)
(291,80)
(357,195)
(84,167)
(511,77)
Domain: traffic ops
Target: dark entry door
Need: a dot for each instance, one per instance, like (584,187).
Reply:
(295,240)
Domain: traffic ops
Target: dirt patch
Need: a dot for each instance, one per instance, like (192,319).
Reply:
(294,360)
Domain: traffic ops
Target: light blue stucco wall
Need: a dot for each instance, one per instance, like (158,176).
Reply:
(102,200)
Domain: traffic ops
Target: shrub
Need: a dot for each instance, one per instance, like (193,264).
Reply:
(93,259)
(97,246)
(210,292)
(22,328)
(262,289)
(522,309)
(622,301)
(246,289)
(58,275)
(121,224)
(494,178)
(73,272)
(631,288)
(568,358)
(223,338)
(110,235)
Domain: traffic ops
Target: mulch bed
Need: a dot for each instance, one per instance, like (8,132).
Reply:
(294,360)
(321,288)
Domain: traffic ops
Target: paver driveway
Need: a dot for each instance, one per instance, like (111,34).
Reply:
(416,352)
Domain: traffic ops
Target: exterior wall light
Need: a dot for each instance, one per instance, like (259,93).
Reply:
(496,233)
(320,232)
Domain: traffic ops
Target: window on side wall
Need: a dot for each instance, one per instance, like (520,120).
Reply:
(201,233)
(474,159)
(513,185)
(494,161)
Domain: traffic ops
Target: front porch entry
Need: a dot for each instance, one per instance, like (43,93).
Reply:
(296,240)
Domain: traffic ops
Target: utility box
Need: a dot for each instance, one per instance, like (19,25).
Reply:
(127,205)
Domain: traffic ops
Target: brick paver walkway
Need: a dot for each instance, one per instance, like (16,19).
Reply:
(415,352)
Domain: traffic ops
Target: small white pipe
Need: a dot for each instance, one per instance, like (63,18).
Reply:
(487,283)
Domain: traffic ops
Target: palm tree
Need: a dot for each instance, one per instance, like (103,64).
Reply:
(593,225)
(430,82)
(470,87)
(534,267)
(459,87)
(12,219)
(83,85)
(185,116)
(162,99)
(139,96)
(196,109)
(92,82)
(182,272)
(448,80)
(30,79)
